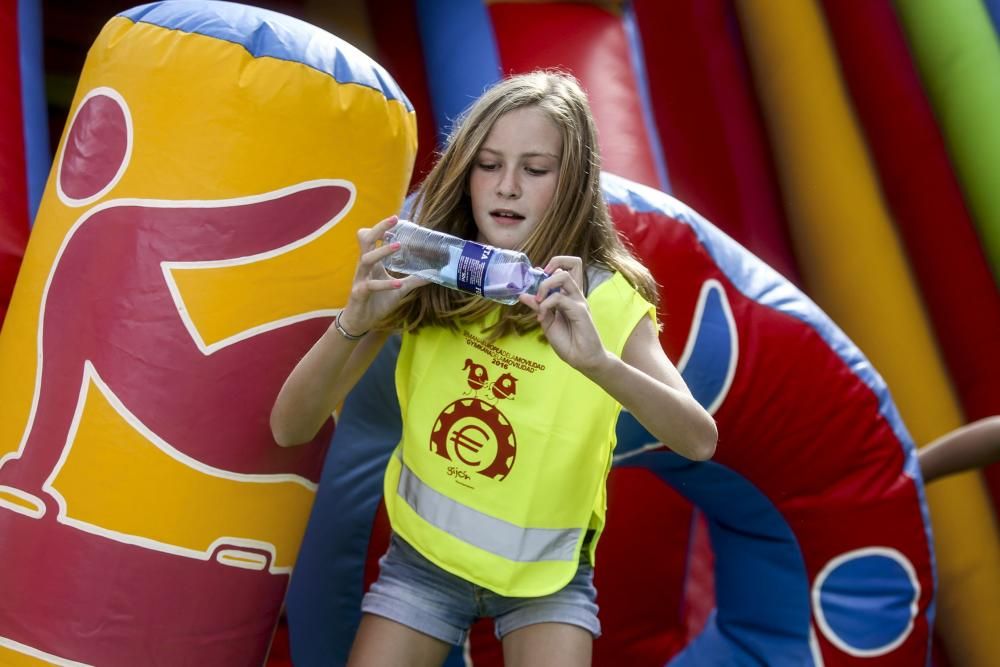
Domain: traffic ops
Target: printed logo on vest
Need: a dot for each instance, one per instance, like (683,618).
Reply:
(474,434)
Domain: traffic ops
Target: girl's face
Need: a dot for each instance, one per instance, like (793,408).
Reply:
(513,179)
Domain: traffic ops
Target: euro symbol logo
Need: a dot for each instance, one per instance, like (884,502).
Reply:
(465,440)
(476,434)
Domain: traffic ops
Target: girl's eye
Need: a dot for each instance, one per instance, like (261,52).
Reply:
(487,166)
(534,171)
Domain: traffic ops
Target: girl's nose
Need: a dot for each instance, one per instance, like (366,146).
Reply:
(508,187)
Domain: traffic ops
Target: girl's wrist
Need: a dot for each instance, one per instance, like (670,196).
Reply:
(599,366)
(348,329)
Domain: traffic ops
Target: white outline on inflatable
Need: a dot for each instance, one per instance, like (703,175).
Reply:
(105,91)
(692,338)
(36,513)
(33,652)
(817,654)
(828,632)
(244,559)
(167,267)
(91,378)
(39,512)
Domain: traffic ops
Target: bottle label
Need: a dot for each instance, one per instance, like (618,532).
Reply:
(472,267)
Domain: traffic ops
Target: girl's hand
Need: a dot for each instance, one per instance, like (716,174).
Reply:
(374,293)
(564,315)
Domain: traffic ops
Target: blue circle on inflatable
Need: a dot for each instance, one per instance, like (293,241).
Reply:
(865,601)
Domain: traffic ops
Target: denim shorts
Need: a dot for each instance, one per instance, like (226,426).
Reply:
(415,592)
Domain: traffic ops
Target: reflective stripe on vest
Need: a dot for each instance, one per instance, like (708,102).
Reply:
(482,530)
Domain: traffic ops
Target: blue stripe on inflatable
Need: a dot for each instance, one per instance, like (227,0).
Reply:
(264,33)
(460,56)
(324,597)
(709,360)
(756,555)
(639,67)
(993,7)
(33,109)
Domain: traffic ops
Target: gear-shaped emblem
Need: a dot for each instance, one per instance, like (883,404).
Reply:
(477,435)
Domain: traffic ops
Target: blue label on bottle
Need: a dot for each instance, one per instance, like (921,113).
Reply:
(472,267)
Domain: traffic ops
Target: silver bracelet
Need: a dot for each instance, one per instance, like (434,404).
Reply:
(344,332)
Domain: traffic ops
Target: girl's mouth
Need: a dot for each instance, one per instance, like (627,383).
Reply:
(506,217)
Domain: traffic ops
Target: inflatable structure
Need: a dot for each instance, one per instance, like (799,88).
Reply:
(218,159)
(197,233)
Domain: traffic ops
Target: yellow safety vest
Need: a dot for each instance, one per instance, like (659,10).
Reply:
(505,450)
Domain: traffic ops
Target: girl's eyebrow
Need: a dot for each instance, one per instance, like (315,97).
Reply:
(528,154)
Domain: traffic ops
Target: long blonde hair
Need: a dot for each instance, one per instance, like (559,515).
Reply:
(576,223)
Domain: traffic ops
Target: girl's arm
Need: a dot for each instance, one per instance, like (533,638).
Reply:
(319,383)
(644,380)
(971,446)
(330,369)
(648,385)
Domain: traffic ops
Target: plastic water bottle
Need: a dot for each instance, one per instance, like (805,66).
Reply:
(494,273)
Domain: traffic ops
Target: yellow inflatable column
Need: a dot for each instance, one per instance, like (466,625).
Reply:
(855,269)
(197,233)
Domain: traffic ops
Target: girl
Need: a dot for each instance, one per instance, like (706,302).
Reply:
(496,493)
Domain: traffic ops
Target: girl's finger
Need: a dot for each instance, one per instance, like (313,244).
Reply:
(559,282)
(549,285)
(546,319)
(376,255)
(413,282)
(555,303)
(368,237)
(564,262)
(385,224)
(410,283)
(376,285)
(529,301)
(570,264)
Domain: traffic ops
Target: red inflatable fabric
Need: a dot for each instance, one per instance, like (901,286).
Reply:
(13,179)
(710,125)
(592,44)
